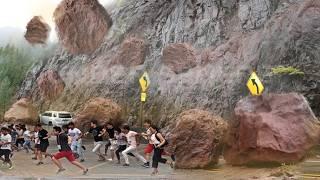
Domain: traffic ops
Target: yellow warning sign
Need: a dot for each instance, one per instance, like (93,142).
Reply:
(144,82)
(254,85)
(143,97)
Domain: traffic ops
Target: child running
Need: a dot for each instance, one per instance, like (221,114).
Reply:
(96,131)
(121,142)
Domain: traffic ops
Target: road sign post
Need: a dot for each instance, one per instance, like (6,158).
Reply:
(254,85)
(144,84)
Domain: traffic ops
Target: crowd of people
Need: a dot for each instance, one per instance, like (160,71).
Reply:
(119,141)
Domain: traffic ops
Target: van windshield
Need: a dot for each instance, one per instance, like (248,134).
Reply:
(64,115)
(47,114)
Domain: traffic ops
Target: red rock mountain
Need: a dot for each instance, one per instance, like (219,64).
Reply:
(199,54)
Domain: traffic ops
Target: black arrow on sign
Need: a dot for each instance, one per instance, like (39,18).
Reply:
(255,84)
(145,79)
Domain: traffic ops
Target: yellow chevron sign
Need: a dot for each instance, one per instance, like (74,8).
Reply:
(254,85)
(144,82)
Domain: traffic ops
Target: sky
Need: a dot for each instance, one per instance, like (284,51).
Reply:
(17,13)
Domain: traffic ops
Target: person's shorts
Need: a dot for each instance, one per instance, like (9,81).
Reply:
(44,147)
(114,144)
(37,146)
(65,154)
(6,153)
(148,149)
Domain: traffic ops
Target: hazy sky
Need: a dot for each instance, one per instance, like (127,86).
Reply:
(17,13)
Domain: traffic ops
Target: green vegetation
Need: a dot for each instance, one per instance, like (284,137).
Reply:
(282,70)
(14,64)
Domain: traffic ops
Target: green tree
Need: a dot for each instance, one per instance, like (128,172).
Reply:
(14,64)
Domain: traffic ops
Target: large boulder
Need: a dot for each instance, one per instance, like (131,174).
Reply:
(275,128)
(22,112)
(196,139)
(50,84)
(131,53)
(100,109)
(179,57)
(37,31)
(81,25)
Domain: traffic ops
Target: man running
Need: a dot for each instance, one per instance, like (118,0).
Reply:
(133,142)
(96,131)
(44,142)
(27,140)
(65,151)
(147,135)
(76,141)
(109,130)
(5,149)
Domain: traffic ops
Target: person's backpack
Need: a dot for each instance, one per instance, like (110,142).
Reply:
(166,141)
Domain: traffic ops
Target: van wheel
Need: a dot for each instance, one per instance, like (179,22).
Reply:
(50,123)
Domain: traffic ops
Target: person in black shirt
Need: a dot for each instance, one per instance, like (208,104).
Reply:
(44,142)
(109,131)
(96,131)
(65,151)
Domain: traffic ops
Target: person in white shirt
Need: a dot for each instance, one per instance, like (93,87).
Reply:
(36,140)
(76,142)
(132,139)
(5,143)
(27,140)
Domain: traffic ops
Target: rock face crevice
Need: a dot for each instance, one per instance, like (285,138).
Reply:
(228,38)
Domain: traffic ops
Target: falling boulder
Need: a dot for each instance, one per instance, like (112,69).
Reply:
(100,109)
(196,140)
(274,128)
(22,112)
(81,25)
(50,84)
(37,31)
(179,57)
(131,53)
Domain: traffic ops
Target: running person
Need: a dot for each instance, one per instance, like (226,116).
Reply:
(27,140)
(36,140)
(44,142)
(5,143)
(133,143)
(65,151)
(20,138)
(109,129)
(159,143)
(147,135)
(76,141)
(121,142)
(96,131)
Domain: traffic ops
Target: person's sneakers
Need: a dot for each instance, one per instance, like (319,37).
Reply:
(60,170)
(10,167)
(39,163)
(34,158)
(110,160)
(146,165)
(84,148)
(126,165)
(101,159)
(85,172)
(82,160)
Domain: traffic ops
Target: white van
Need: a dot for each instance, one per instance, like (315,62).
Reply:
(55,118)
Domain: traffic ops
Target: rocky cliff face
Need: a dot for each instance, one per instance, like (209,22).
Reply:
(198,53)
